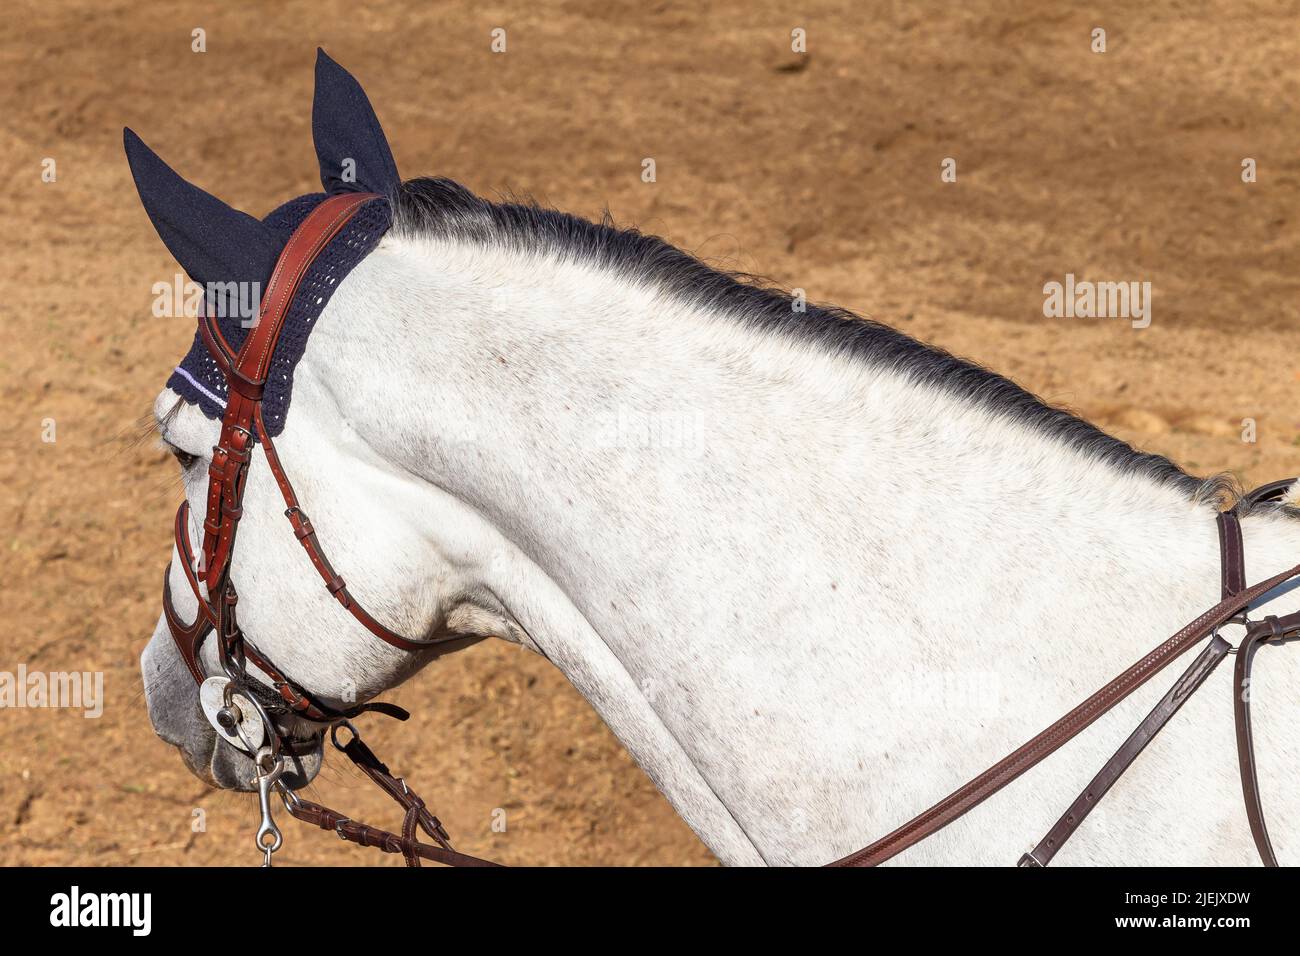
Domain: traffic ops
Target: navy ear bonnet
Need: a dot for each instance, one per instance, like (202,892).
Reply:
(231,254)
(198,380)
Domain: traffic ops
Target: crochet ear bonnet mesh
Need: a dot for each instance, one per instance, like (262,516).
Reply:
(198,380)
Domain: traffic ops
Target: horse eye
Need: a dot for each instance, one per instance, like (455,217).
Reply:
(185,458)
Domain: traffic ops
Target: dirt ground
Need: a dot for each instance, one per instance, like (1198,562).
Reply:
(820,171)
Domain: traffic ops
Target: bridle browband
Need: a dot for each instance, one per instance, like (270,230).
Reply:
(237,711)
(243,719)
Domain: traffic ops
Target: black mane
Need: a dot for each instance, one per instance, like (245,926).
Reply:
(440,207)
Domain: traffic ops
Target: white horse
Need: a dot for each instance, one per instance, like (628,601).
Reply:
(812,573)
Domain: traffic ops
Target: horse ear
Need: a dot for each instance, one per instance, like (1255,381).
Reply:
(350,144)
(213,242)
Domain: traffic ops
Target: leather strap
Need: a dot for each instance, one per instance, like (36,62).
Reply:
(1235,601)
(334,583)
(1232,561)
(359,833)
(416,815)
(1232,557)
(1271,630)
(189,638)
(245,373)
(246,376)
(1146,731)
(1273,491)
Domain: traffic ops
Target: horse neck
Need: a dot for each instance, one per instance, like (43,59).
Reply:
(738,544)
(562,400)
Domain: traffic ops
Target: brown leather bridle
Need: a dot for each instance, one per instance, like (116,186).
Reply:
(245,372)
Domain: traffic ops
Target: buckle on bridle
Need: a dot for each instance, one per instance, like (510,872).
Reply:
(1278,633)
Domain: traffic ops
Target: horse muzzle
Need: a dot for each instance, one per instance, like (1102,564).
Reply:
(178,718)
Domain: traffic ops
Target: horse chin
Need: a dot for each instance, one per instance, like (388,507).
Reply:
(232,769)
(218,764)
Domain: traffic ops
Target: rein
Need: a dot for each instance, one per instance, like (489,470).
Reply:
(236,713)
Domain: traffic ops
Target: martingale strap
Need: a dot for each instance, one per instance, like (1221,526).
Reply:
(1237,597)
